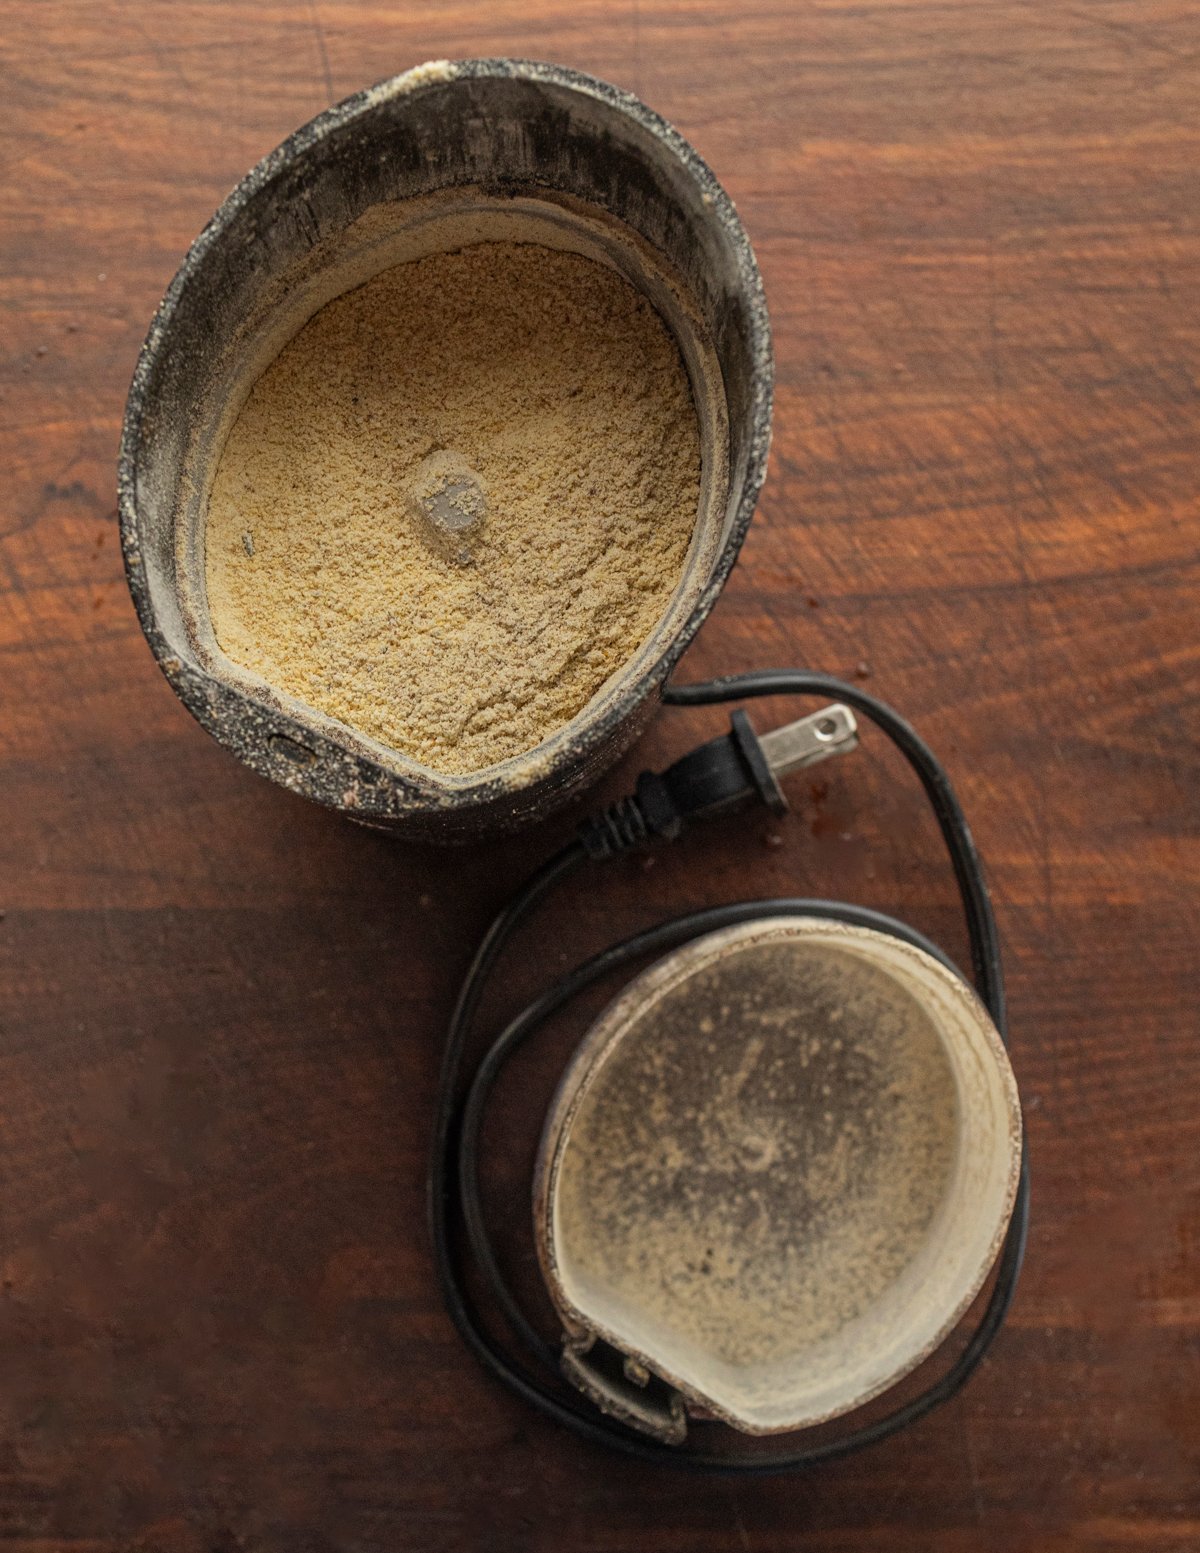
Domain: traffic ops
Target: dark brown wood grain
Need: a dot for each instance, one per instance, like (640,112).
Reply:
(220,1009)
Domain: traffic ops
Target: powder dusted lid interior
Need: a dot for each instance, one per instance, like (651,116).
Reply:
(779,1169)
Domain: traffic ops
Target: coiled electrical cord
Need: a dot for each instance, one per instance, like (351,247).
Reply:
(710,780)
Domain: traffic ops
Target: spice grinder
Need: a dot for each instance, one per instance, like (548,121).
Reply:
(447,154)
(783,1162)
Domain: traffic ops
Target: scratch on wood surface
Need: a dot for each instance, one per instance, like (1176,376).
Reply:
(738,1523)
(1132,34)
(1020,554)
(167,57)
(322,50)
(977,1504)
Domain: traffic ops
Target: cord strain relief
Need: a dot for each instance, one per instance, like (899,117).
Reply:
(619,828)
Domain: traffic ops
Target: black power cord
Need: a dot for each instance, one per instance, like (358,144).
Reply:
(719,776)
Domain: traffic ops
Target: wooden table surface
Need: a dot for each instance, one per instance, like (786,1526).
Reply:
(220,1009)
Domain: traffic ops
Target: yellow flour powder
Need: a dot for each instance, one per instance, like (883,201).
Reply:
(559,386)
